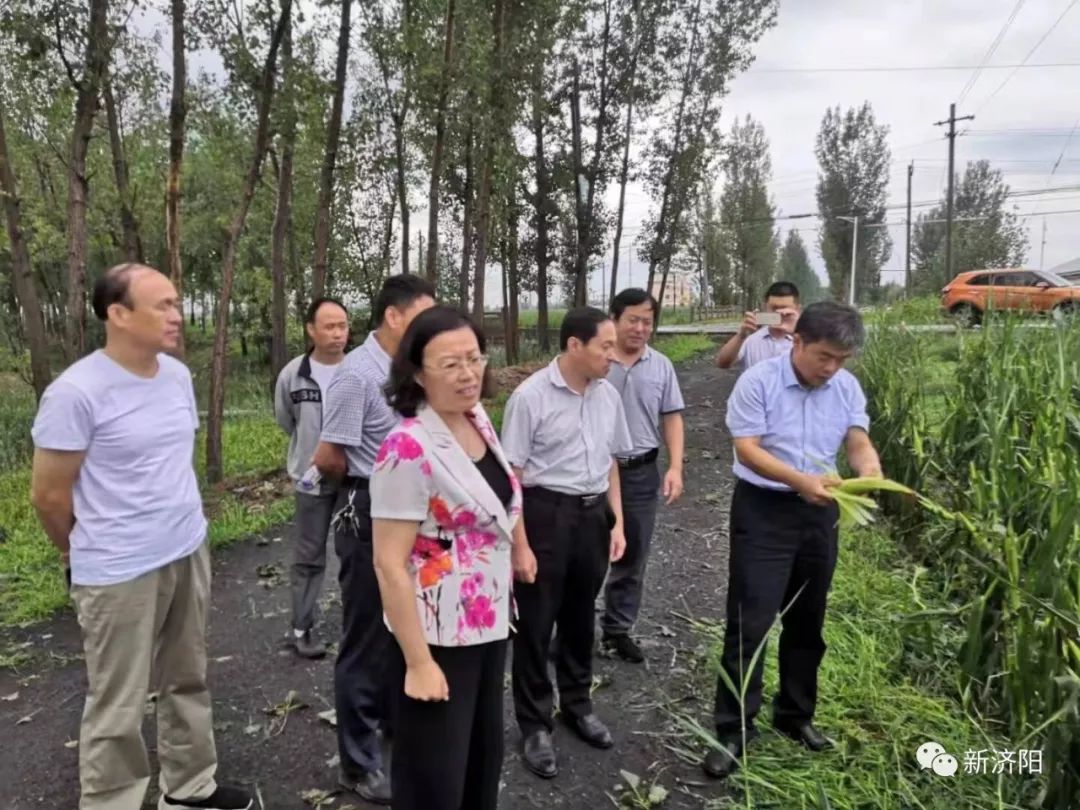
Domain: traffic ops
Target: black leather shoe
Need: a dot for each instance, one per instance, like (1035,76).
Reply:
(373,786)
(721,762)
(623,647)
(591,729)
(806,734)
(538,754)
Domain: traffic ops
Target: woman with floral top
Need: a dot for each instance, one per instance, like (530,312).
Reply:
(445,508)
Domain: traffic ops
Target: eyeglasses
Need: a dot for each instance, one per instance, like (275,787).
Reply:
(454,365)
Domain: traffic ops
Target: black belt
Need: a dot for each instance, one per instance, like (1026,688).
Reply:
(355,482)
(634,462)
(562,499)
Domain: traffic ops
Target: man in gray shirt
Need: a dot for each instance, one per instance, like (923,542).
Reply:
(298,408)
(115,490)
(753,342)
(562,429)
(356,419)
(646,381)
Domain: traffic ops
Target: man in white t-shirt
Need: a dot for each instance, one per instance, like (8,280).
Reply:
(753,342)
(115,490)
(298,404)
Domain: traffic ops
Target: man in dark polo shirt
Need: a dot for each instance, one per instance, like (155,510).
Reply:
(356,419)
(562,429)
(646,381)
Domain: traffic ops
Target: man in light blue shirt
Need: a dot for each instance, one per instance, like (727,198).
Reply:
(789,417)
(754,342)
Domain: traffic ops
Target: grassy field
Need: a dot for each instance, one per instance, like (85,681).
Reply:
(31,582)
(874,703)
(987,423)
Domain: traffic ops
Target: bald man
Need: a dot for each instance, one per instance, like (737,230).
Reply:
(115,490)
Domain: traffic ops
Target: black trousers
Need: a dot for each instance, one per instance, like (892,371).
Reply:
(783,554)
(448,754)
(626,579)
(360,678)
(571,542)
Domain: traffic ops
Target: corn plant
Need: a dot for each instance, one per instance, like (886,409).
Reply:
(1001,452)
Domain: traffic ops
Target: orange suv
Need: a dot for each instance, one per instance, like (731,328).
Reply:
(971,294)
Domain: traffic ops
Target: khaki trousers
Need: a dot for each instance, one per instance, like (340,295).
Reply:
(153,627)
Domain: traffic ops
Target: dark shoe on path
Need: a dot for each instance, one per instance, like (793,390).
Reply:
(623,647)
(591,729)
(538,754)
(373,786)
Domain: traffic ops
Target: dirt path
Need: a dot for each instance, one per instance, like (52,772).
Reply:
(284,757)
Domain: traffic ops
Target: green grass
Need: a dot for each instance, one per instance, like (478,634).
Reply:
(31,581)
(680,348)
(870,703)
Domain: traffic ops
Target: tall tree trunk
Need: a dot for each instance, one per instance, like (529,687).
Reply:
(214,467)
(494,121)
(86,105)
(503,261)
(440,138)
(466,222)
(22,275)
(513,281)
(586,230)
(296,273)
(177,117)
(624,168)
(283,210)
(581,280)
(662,230)
(333,138)
(133,249)
(402,191)
(541,204)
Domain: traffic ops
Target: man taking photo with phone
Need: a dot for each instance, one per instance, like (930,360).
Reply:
(756,340)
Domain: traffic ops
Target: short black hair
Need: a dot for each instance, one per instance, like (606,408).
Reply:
(400,291)
(632,297)
(782,289)
(314,306)
(113,287)
(403,392)
(831,322)
(581,323)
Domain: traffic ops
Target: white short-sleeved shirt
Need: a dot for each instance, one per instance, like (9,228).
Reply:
(136,499)
(762,346)
(563,440)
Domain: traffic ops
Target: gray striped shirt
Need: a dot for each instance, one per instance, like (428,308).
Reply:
(356,414)
(563,440)
(649,389)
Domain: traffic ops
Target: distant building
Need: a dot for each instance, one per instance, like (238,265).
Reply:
(1070,270)
(678,292)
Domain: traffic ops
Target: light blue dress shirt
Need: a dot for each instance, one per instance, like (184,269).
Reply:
(803,427)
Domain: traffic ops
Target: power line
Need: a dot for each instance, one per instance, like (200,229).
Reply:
(910,68)
(990,52)
(1030,53)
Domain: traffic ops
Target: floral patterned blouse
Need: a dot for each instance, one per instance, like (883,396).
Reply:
(460,561)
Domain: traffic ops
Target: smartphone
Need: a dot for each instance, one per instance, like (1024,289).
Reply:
(768,318)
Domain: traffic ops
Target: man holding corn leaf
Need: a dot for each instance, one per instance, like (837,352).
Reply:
(789,417)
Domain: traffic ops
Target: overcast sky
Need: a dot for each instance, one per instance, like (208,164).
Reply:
(817,34)
(790,85)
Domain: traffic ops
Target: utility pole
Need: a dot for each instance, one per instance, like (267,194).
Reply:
(907,259)
(951,121)
(854,254)
(1042,250)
